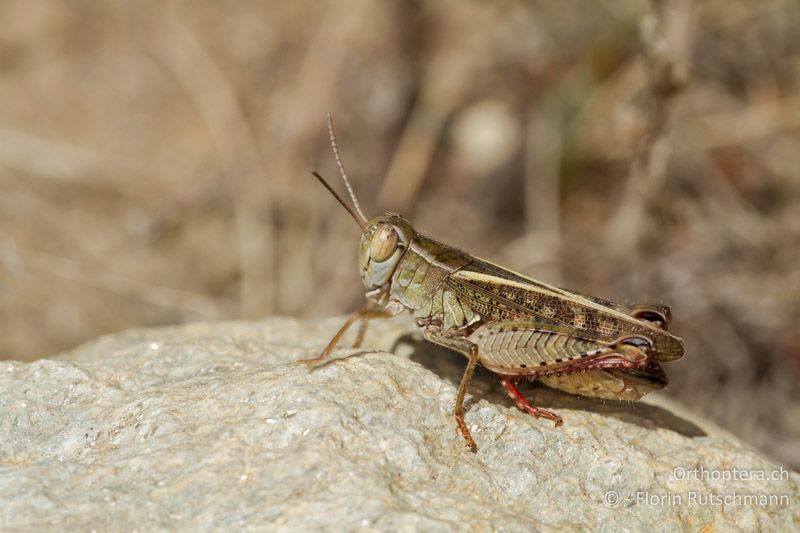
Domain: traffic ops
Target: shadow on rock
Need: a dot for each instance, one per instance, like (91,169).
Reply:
(450,365)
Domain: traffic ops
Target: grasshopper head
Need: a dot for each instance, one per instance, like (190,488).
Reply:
(383,242)
(384,239)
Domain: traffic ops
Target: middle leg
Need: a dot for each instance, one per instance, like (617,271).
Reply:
(471,350)
(462,391)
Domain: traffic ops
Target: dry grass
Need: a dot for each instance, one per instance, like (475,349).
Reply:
(154,163)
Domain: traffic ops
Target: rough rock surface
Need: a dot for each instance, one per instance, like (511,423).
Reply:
(210,426)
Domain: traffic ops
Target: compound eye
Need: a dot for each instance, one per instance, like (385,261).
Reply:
(637,341)
(383,244)
(654,317)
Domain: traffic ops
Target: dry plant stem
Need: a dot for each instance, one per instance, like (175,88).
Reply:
(542,157)
(725,129)
(77,165)
(439,95)
(542,197)
(193,305)
(412,158)
(665,36)
(216,100)
(298,113)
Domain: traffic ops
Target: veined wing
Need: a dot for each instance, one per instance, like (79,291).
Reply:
(658,315)
(498,294)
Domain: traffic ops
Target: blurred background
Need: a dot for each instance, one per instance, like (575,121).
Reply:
(154,161)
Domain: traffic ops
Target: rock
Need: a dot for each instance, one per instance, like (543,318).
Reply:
(210,426)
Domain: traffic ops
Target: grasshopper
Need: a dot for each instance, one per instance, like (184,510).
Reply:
(515,326)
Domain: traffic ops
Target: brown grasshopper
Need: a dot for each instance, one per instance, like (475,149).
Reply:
(516,327)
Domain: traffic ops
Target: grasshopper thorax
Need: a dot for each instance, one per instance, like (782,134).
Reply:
(383,243)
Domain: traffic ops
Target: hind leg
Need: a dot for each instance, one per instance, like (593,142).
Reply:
(523,403)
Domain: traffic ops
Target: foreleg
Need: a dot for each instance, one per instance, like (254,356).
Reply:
(365,315)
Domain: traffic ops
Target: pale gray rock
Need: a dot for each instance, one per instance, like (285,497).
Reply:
(211,426)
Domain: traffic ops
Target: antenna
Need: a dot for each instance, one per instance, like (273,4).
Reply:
(343,173)
(361,224)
